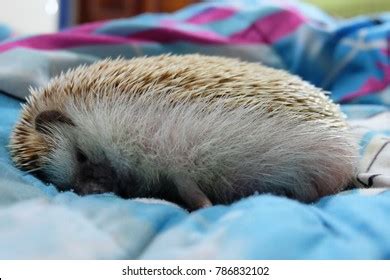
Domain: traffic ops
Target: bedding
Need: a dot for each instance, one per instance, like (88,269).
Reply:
(350,59)
(5,31)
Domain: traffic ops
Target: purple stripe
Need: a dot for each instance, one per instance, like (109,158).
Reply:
(87,28)
(211,15)
(172,34)
(65,40)
(372,85)
(271,28)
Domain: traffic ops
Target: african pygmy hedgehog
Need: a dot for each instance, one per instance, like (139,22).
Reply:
(196,130)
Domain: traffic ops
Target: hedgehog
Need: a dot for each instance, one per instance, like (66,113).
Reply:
(192,129)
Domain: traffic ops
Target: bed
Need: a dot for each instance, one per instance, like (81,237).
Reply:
(5,31)
(350,59)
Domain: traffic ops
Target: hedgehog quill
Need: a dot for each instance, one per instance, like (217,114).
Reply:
(192,129)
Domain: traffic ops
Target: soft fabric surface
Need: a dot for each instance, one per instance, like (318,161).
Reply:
(5,31)
(351,59)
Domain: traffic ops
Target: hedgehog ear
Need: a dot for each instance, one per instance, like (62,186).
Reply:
(50,117)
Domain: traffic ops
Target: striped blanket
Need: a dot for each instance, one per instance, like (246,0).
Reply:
(350,58)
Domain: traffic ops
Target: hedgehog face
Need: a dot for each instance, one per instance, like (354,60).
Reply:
(77,162)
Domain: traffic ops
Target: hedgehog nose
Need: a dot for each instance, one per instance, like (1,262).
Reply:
(97,178)
(93,188)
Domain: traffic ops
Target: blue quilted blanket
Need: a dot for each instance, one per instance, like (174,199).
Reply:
(349,58)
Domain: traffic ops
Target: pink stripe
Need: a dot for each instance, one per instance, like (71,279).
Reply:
(271,28)
(65,40)
(87,28)
(372,85)
(210,15)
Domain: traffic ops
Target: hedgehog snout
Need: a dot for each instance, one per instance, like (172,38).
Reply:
(91,188)
(96,178)
(93,178)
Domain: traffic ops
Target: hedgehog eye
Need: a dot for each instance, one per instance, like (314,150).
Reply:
(80,156)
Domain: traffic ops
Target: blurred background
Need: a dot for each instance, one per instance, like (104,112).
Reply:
(23,17)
